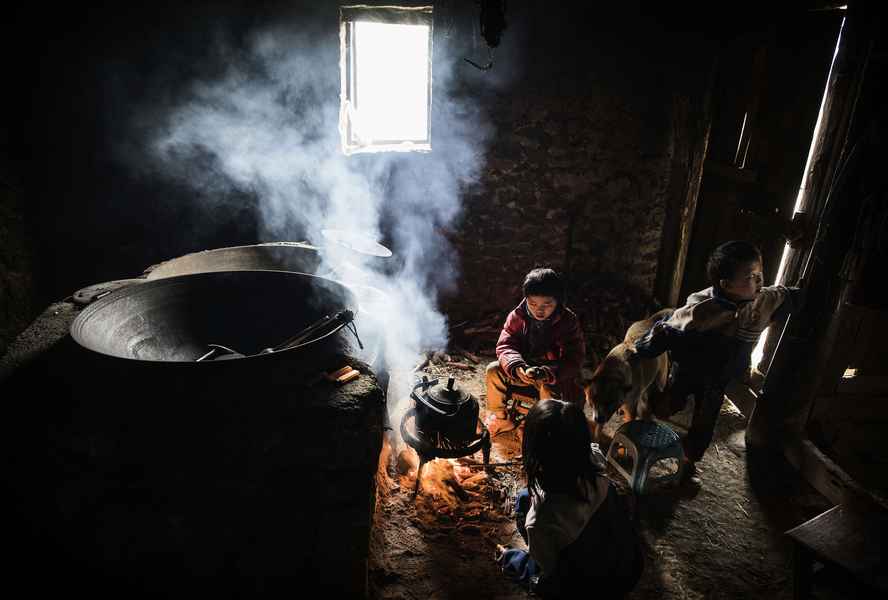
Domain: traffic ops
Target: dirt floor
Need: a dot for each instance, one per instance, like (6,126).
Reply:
(723,539)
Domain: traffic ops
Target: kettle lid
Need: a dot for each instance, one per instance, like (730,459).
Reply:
(448,393)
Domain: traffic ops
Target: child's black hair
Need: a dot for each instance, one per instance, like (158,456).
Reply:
(543,282)
(556,449)
(726,260)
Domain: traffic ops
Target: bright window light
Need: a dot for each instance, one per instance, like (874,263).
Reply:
(759,350)
(386,80)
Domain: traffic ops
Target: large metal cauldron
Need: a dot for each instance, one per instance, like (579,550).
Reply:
(298,257)
(175,320)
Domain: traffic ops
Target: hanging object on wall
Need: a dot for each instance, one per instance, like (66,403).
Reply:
(492,23)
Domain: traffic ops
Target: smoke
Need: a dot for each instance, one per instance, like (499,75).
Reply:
(268,125)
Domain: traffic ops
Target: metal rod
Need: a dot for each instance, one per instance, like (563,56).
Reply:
(343,317)
(510,463)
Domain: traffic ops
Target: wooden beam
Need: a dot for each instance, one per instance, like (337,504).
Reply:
(826,476)
(686,175)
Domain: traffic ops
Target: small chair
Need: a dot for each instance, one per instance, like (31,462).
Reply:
(519,401)
(646,442)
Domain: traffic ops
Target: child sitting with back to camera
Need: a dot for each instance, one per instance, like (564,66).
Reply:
(541,346)
(579,538)
(711,338)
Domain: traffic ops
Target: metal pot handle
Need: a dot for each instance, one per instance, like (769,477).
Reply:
(425,384)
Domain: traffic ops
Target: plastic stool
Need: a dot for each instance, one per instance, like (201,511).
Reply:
(647,442)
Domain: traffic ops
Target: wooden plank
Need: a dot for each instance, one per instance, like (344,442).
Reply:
(850,538)
(826,476)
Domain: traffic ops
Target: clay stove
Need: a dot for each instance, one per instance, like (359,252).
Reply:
(149,469)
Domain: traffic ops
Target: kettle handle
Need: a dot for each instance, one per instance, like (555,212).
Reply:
(425,384)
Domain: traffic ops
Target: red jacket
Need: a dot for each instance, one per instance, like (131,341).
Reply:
(556,343)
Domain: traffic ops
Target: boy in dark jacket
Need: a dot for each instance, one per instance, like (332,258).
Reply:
(711,337)
(541,346)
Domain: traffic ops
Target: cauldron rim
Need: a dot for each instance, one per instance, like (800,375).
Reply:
(96,306)
(159,270)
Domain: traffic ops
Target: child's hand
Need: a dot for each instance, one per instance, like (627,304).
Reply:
(535,373)
(659,330)
(498,552)
(540,374)
(521,373)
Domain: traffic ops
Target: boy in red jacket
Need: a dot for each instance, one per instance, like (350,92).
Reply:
(541,346)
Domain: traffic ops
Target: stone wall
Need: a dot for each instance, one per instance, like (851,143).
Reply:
(593,143)
(562,189)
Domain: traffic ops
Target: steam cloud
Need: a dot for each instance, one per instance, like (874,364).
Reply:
(270,125)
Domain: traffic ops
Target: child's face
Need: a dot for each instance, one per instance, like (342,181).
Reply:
(541,307)
(746,283)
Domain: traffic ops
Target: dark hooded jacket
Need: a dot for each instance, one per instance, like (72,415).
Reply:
(712,337)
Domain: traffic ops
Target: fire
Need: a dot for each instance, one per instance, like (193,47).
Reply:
(446,483)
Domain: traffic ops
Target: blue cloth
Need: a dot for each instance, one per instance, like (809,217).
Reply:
(516,563)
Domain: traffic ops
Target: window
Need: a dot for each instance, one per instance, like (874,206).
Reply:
(386,69)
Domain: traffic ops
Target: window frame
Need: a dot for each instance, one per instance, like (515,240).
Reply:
(396,15)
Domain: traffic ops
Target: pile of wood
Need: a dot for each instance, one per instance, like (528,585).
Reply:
(479,335)
(455,358)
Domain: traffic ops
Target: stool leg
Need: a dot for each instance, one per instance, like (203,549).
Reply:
(645,467)
(618,441)
(638,474)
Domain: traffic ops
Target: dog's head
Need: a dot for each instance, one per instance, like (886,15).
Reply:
(606,389)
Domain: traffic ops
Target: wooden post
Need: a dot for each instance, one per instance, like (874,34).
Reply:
(796,372)
(687,173)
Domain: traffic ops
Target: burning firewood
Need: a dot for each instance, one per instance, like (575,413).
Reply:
(407,461)
(474,480)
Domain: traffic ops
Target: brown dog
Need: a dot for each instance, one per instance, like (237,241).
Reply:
(625,380)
